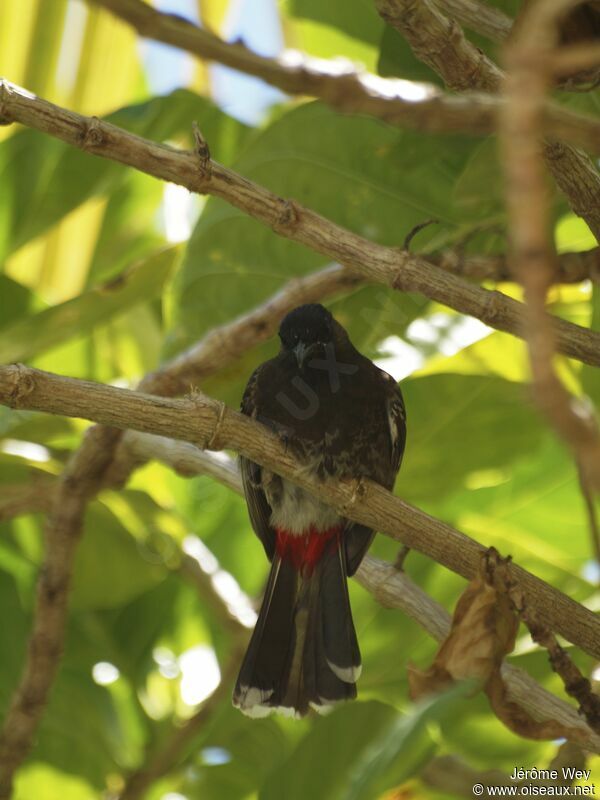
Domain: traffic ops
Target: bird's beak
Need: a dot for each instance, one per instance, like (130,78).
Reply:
(301,351)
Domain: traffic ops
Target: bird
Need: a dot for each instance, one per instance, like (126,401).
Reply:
(342,417)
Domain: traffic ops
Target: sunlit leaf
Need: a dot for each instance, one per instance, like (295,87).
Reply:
(36,333)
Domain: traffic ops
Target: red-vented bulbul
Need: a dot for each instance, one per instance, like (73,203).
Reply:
(342,417)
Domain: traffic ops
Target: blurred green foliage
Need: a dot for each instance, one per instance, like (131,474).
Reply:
(94,284)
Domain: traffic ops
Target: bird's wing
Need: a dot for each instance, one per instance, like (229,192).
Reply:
(258,507)
(358,538)
(397,424)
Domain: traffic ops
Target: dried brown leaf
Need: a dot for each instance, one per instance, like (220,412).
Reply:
(483,631)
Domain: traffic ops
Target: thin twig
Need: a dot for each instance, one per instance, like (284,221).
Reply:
(417,229)
(377,263)
(575,683)
(441,44)
(534,259)
(194,419)
(575,58)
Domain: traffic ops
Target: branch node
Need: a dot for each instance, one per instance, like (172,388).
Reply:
(288,217)
(5,118)
(24,384)
(492,307)
(359,490)
(399,278)
(202,150)
(92,135)
(213,441)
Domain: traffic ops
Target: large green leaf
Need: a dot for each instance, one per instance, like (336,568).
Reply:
(356,18)
(239,742)
(46,783)
(13,633)
(43,179)
(135,628)
(459,424)
(360,750)
(36,333)
(364,175)
(532,509)
(111,566)
(15,300)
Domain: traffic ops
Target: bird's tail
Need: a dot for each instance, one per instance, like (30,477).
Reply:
(303,652)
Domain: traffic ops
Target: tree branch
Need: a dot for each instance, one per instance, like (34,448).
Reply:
(398,269)
(207,422)
(441,44)
(105,463)
(479,17)
(346,89)
(529,78)
(63,530)
(390,587)
(31,498)
(571,267)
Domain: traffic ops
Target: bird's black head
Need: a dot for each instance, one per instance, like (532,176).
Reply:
(307,330)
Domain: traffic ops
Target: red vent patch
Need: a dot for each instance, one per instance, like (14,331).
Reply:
(305,550)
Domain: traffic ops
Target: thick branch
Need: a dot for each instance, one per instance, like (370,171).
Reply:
(208,423)
(348,90)
(441,43)
(389,586)
(103,462)
(45,646)
(398,269)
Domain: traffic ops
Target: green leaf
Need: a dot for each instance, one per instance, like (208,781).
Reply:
(356,18)
(15,300)
(244,742)
(458,424)
(111,566)
(397,60)
(402,748)
(319,766)
(369,177)
(360,750)
(128,232)
(39,332)
(43,179)
(531,508)
(46,783)
(14,633)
